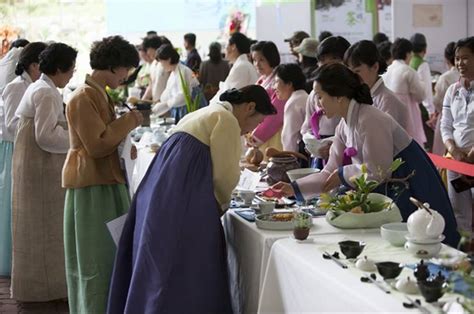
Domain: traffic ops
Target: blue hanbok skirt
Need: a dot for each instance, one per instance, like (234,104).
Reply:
(171,256)
(425,186)
(6,152)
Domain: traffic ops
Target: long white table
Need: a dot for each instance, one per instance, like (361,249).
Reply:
(299,280)
(248,249)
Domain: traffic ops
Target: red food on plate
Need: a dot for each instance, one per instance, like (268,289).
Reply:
(271,193)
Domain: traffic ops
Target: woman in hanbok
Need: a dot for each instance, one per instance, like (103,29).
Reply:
(457,129)
(27,71)
(330,50)
(363,58)
(40,148)
(266,58)
(94,182)
(290,86)
(446,79)
(242,73)
(171,257)
(406,84)
(367,135)
(173,99)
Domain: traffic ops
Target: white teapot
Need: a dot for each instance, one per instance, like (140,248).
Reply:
(425,223)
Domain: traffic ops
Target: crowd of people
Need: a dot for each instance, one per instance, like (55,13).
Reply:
(61,179)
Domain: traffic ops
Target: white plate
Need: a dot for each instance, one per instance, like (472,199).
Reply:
(273,225)
(425,241)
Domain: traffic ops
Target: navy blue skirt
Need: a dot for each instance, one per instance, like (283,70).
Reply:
(171,256)
(425,186)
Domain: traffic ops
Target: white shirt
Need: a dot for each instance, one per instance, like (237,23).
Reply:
(425,76)
(173,94)
(327,127)
(293,118)
(385,100)
(11,98)
(241,74)
(444,81)
(7,67)
(376,137)
(158,77)
(43,102)
(457,121)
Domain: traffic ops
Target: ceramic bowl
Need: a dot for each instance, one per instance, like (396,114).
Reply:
(432,290)
(351,249)
(247,196)
(313,145)
(424,250)
(389,270)
(266,207)
(394,233)
(295,174)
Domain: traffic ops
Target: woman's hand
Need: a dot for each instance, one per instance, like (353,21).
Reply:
(324,151)
(333,181)
(458,154)
(133,152)
(283,188)
(138,116)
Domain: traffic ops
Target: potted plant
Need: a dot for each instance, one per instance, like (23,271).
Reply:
(302,223)
(192,104)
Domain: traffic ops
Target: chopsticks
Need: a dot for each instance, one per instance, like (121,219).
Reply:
(418,306)
(326,255)
(378,284)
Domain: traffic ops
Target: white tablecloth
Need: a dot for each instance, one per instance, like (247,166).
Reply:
(248,249)
(299,280)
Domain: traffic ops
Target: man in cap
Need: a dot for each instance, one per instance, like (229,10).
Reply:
(295,40)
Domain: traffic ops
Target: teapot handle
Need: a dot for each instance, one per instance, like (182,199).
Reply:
(420,205)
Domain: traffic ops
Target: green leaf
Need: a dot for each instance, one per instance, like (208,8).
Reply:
(396,164)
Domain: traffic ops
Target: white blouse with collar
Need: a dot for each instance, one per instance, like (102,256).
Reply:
(293,118)
(43,103)
(11,98)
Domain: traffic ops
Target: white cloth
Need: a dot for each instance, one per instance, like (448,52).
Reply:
(444,81)
(385,100)
(457,122)
(293,119)
(241,74)
(377,139)
(158,77)
(425,76)
(327,127)
(173,95)
(43,102)
(11,98)
(406,84)
(299,280)
(7,67)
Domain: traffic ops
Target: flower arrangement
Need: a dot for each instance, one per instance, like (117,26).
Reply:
(357,200)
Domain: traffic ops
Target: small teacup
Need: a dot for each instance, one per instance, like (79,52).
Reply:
(266,207)
(247,196)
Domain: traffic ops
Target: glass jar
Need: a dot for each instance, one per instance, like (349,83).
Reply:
(278,166)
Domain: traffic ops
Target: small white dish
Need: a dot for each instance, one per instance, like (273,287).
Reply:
(394,233)
(425,240)
(365,264)
(426,250)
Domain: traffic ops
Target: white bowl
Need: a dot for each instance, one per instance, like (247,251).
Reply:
(247,196)
(295,174)
(394,233)
(266,207)
(313,145)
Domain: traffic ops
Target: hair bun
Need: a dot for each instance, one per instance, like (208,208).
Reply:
(232,95)
(362,94)
(20,68)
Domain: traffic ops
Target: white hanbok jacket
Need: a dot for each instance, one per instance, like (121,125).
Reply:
(375,136)
(158,79)
(293,118)
(406,84)
(241,74)
(11,98)
(43,103)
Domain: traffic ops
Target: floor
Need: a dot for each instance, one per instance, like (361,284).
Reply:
(9,306)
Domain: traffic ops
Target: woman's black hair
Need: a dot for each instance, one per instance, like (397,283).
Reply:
(215,52)
(418,41)
(334,46)
(400,48)
(323,35)
(57,57)
(113,52)
(385,50)
(364,52)
(190,38)
(18,43)
(29,55)
(338,80)
(250,93)
(291,73)
(241,42)
(467,42)
(308,62)
(450,52)
(269,50)
(152,41)
(379,38)
(168,52)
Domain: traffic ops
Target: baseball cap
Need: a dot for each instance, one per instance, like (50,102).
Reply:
(298,36)
(308,47)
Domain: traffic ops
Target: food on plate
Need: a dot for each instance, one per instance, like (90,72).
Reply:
(281,217)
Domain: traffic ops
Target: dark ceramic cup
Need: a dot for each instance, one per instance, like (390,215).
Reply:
(351,249)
